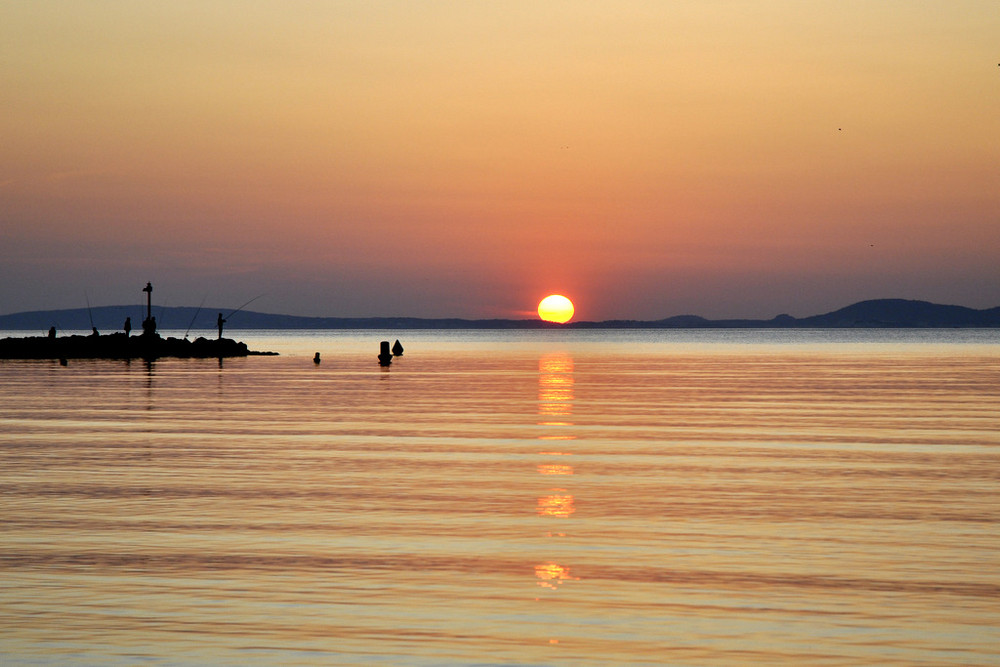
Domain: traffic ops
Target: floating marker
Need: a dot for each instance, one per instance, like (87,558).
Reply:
(385,354)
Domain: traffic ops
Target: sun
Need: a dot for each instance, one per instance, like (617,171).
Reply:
(555,308)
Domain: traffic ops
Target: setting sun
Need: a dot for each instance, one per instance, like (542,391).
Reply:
(555,308)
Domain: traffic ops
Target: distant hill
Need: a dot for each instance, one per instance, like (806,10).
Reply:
(879,313)
(876,313)
(904,313)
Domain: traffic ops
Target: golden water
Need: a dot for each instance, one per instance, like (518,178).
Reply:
(540,499)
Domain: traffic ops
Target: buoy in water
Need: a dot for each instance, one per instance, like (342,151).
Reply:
(385,354)
(316,358)
(397,349)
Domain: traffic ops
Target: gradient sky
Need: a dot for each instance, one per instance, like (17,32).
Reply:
(436,159)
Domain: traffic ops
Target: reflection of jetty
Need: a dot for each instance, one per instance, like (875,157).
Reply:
(121,346)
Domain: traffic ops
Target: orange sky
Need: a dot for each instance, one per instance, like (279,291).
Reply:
(466,158)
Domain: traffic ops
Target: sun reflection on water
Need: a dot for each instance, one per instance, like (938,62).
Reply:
(555,399)
(551,575)
(554,469)
(558,505)
(555,411)
(555,389)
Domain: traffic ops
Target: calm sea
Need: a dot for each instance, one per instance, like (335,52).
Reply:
(529,498)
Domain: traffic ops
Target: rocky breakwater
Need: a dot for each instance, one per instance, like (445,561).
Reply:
(121,346)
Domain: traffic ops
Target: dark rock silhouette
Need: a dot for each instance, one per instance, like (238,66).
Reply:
(120,346)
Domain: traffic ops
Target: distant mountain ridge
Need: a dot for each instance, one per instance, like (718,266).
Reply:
(876,313)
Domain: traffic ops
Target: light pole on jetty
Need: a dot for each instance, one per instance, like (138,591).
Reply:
(149,324)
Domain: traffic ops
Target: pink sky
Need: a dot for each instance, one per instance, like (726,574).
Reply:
(728,159)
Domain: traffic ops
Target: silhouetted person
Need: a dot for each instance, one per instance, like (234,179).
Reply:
(220,322)
(128,326)
(316,358)
(52,332)
(96,332)
(397,349)
(385,354)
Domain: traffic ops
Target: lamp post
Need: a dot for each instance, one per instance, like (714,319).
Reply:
(149,324)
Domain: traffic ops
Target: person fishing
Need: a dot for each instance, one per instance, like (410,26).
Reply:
(128,326)
(222,320)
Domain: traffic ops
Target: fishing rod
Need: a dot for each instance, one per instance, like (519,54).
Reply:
(242,307)
(89,314)
(195,316)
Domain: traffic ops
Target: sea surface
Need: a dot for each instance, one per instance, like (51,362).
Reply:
(694,497)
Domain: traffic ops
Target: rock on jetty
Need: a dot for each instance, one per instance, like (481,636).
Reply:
(121,346)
